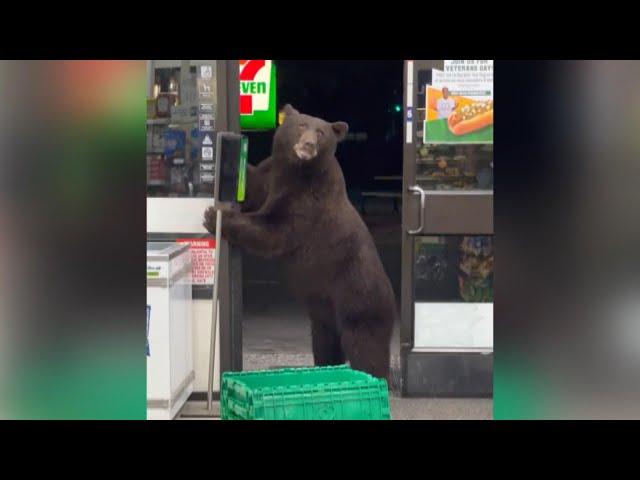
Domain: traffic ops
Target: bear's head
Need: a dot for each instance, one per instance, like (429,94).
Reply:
(303,138)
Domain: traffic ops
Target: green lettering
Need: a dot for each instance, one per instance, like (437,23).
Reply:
(253,87)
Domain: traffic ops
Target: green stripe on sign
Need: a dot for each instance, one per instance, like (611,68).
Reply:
(437,131)
(242,174)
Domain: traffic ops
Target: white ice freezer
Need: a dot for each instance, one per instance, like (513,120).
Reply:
(170,374)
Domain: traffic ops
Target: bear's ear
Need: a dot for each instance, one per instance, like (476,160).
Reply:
(340,129)
(289,110)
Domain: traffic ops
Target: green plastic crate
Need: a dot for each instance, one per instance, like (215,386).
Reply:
(319,393)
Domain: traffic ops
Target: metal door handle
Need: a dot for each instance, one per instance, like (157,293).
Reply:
(423,194)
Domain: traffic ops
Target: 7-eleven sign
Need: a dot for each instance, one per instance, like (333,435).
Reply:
(257,94)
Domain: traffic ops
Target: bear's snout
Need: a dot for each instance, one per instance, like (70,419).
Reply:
(307,146)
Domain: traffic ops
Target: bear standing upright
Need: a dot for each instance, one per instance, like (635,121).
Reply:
(332,263)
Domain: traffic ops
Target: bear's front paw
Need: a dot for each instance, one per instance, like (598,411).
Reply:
(210,220)
(229,219)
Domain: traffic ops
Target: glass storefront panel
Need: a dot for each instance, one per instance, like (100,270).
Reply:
(180,146)
(452,167)
(453,292)
(453,268)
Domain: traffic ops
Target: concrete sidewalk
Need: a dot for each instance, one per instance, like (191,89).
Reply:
(401,408)
(280,336)
(277,334)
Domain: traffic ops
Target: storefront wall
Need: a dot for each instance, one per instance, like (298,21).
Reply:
(176,212)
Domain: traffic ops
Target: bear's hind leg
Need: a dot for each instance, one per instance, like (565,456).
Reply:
(326,345)
(368,350)
(325,339)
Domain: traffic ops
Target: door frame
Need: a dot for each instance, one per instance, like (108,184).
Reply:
(436,372)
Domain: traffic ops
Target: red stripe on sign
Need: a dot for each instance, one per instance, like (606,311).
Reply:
(198,242)
(246,105)
(251,68)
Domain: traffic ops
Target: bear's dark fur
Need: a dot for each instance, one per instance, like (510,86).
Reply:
(303,216)
(257,185)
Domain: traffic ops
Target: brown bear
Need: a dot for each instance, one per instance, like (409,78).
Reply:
(257,185)
(304,218)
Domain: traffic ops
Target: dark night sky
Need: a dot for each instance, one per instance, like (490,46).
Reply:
(361,93)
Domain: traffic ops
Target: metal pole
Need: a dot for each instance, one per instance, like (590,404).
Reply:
(214,322)
(151,75)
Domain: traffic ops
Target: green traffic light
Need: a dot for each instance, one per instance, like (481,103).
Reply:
(398,108)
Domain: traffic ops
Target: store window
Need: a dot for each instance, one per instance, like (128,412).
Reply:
(453,291)
(180,95)
(454,268)
(452,167)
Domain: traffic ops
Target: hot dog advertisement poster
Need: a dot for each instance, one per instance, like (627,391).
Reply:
(459,103)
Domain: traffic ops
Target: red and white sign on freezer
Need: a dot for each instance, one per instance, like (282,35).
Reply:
(202,259)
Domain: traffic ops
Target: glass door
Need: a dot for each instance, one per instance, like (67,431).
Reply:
(447,248)
(188,101)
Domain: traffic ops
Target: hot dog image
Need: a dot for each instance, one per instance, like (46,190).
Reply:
(470,118)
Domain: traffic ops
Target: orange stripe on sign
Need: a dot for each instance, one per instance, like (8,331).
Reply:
(251,68)
(248,73)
